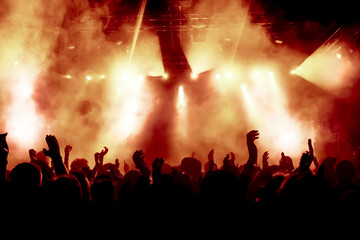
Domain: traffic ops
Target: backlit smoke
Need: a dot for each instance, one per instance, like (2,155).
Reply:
(62,74)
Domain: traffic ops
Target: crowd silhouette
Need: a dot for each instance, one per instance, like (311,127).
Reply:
(39,187)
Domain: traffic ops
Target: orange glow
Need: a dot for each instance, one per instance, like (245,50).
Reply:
(181,97)
(165,76)
(23,121)
(326,70)
(181,107)
(193,76)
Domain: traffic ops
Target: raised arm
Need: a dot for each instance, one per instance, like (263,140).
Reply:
(306,159)
(252,149)
(138,158)
(67,151)
(54,154)
(265,159)
(253,153)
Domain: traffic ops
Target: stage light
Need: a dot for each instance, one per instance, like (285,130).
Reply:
(218,76)
(67,76)
(102,76)
(338,55)
(293,72)
(141,77)
(165,76)
(88,77)
(193,76)
(181,96)
(23,90)
(181,113)
(271,75)
(16,63)
(228,74)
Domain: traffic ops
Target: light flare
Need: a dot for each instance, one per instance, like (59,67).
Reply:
(23,122)
(181,107)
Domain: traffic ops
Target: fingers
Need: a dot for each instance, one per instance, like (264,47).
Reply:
(138,155)
(311,150)
(46,152)
(105,151)
(32,151)
(253,135)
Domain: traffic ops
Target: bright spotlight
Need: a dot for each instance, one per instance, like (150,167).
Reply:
(218,76)
(67,76)
(193,76)
(228,74)
(102,76)
(181,112)
(141,77)
(338,55)
(165,76)
(88,77)
(181,96)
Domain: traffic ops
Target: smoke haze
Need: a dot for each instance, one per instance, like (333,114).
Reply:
(61,74)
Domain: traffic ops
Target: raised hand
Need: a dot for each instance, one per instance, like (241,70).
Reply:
(138,158)
(102,154)
(252,149)
(32,155)
(252,136)
(305,161)
(54,154)
(307,157)
(311,149)
(54,148)
(67,151)
(265,159)
(158,162)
